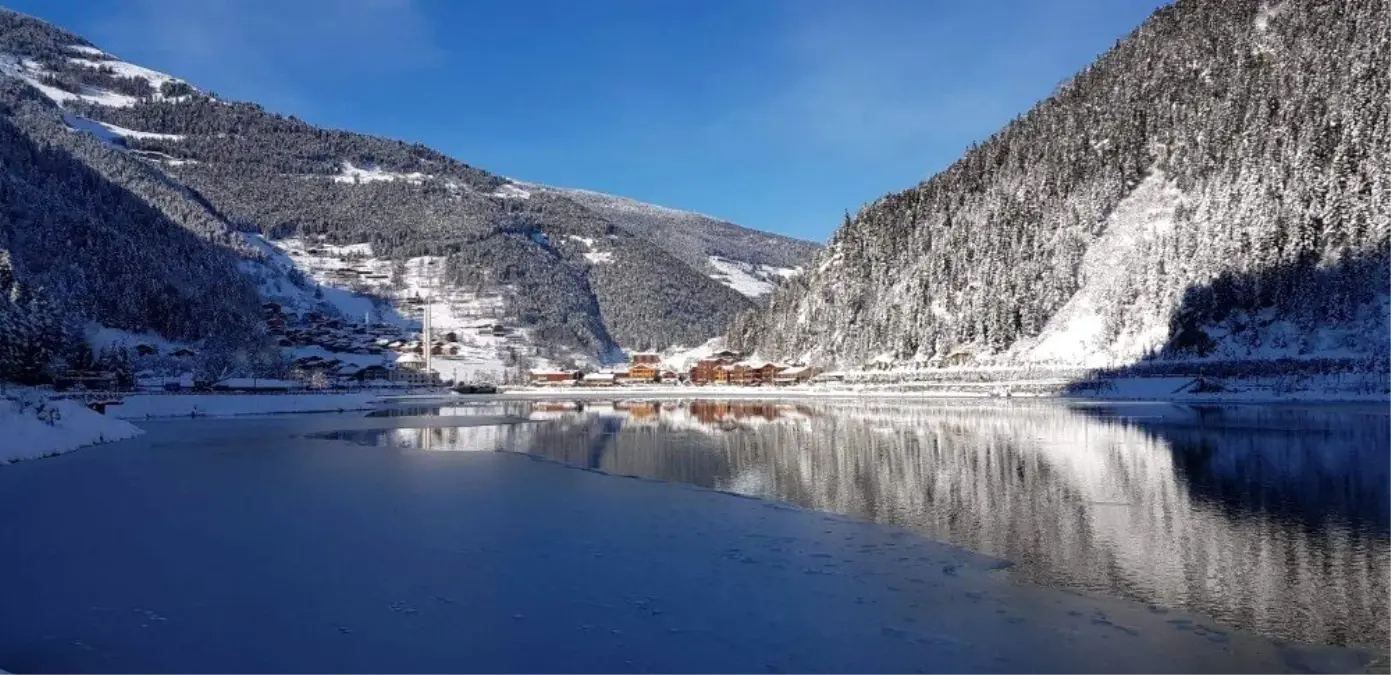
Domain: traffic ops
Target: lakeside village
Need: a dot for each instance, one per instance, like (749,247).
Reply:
(325,352)
(721,368)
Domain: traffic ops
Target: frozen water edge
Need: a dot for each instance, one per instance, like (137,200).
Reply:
(62,426)
(144,406)
(215,534)
(1121,389)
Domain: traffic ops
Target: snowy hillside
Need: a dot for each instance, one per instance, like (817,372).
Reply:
(1213,188)
(748,261)
(163,186)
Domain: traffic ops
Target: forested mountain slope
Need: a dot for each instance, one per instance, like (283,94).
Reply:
(88,233)
(750,261)
(1217,185)
(162,188)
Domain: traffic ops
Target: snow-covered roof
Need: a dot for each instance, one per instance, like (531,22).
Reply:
(543,373)
(599,377)
(410,358)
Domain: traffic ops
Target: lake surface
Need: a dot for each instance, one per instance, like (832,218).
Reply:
(1272,519)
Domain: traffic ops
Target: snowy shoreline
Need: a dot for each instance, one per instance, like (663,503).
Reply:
(1137,389)
(37,428)
(27,437)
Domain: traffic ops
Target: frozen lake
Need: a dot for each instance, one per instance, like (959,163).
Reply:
(1269,518)
(361,543)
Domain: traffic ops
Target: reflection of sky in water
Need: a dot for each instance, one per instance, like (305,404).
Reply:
(1271,518)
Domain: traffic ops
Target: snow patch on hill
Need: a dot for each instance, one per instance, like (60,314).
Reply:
(1077,334)
(748,278)
(88,50)
(594,257)
(112,133)
(123,69)
(511,191)
(369,174)
(30,71)
(1267,11)
(681,359)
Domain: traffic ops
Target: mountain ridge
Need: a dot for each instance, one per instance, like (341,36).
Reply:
(1174,200)
(573,284)
(752,262)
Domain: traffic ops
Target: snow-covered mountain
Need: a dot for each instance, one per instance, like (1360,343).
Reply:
(1215,187)
(749,261)
(138,202)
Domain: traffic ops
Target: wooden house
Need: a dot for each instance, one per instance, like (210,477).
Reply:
(554,378)
(794,375)
(704,371)
(767,372)
(646,358)
(644,372)
(598,380)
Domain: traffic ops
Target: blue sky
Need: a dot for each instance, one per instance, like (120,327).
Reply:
(776,114)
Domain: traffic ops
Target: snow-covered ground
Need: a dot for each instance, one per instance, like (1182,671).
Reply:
(511,191)
(122,68)
(354,281)
(32,426)
(1076,333)
(370,174)
(331,556)
(748,278)
(30,71)
(111,132)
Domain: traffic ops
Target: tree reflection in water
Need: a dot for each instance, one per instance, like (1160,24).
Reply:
(1269,518)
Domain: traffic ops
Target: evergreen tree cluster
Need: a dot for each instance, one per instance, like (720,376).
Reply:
(91,233)
(1271,120)
(693,237)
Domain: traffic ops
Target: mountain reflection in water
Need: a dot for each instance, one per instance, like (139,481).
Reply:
(1270,518)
